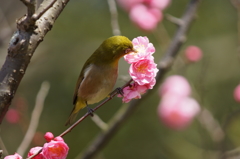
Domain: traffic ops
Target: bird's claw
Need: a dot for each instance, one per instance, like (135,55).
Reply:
(120,91)
(90,111)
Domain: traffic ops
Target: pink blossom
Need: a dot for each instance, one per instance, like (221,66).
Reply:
(143,71)
(35,150)
(177,112)
(133,91)
(48,136)
(161,4)
(176,85)
(15,156)
(193,53)
(236,93)
(144,48)
(13,116)
(58,138)
(55,149)
(145,18)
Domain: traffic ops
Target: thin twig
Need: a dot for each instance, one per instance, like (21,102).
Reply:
(31,6)
(99,122)
(114,17)
(34,118)
(41,11)
(3,147)
(211,125)
(113,94)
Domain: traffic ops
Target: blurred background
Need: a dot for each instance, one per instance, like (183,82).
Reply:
(78,31)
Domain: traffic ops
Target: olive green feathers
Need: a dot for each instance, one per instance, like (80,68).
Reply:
(99,73)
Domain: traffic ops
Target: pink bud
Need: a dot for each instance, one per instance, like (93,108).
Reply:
(15,156)
(55,150)
(236,93)
(48,136)
(145,18)
(12,116)
(177,112)
(35,150)
(193,53)
(175,84)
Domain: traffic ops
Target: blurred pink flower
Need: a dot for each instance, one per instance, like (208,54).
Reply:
(145,18)
(144,48)
(133,91)
(193,53)
(35,150)
(143,71)
(160,4)
(236,93)
(55,149)
(12,116)
(175,85)
(128,4)
(15,156)
(177,112)
(48,136)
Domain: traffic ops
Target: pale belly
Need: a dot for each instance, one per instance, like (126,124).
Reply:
(97,84)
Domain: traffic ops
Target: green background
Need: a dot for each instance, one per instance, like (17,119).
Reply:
(79,30)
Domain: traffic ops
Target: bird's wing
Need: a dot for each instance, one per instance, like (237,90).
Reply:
(79,81)
(83,74)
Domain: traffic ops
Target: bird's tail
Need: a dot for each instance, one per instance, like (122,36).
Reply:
(79,105)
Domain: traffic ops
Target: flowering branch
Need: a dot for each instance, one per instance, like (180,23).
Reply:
(31,29)
(122,115)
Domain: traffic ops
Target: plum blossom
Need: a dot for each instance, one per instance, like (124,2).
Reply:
(35,150)
(48,136)
(145,18)
(143,70)
(133,91)
(236,93)
(145,14)
(13,116)
(55,149)
(193,53)
(15,156)
(177,112)
(177,109)
(175,85)
(144,49)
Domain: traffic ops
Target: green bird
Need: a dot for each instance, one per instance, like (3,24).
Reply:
(99,73)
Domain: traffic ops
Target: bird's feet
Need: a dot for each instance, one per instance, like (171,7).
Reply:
(120,91)
(90,111)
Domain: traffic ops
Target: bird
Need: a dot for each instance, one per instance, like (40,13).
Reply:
(99,74)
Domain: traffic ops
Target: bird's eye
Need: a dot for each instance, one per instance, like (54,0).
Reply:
(128,50)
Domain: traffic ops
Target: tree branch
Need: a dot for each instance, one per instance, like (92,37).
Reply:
(29,34)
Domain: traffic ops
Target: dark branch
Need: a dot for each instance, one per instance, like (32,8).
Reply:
(27,37)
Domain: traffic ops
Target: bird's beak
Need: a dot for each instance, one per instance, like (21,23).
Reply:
(134,51)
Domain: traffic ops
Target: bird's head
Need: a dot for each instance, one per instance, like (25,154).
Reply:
(116,47)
